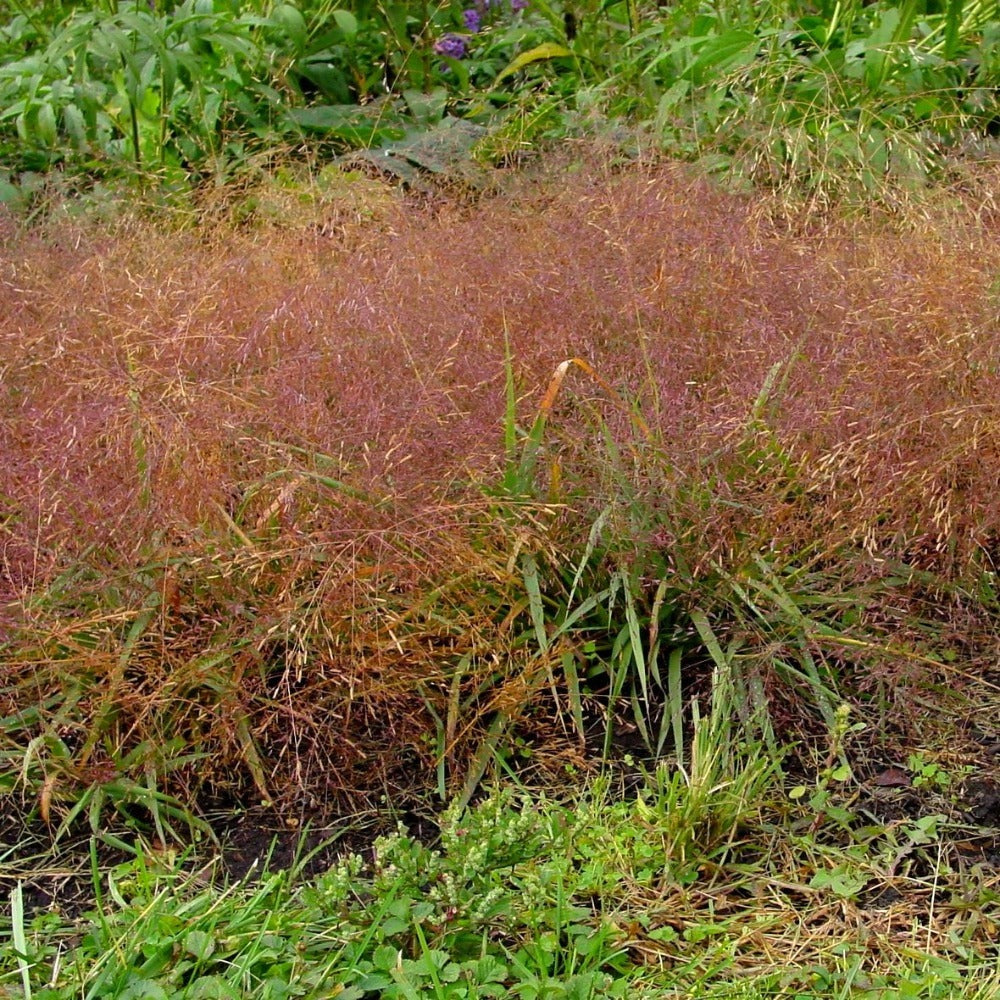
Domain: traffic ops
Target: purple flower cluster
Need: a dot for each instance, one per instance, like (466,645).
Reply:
(474,18)
(451,46)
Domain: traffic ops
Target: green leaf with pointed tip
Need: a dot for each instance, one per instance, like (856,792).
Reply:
(547,50)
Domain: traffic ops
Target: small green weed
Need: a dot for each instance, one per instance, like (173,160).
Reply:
(932,775)
(522,896)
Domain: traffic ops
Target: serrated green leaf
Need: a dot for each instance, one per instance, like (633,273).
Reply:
(46,122)
(211,988)
(200,944)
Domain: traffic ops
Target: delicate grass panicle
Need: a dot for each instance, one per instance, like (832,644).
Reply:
(239,476)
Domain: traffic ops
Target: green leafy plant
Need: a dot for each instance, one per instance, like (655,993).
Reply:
(929,774)
(827,800)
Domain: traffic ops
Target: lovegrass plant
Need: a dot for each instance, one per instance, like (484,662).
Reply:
(498,498)
(586,533)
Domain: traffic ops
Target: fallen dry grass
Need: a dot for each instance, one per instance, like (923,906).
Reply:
(271,441)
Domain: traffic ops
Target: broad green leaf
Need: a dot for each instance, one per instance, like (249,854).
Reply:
(722,53)
(200,944)
(14,110)
(427,109)
(347,122)
(143,989)
(670,99)
(211,988)
(47,130)
(324,116)
(291,20)
(329,79)
(168,76)
(210,112)
(347,22)
(75,125)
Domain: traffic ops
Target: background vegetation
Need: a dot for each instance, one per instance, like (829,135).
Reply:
(450,547)
(822,94)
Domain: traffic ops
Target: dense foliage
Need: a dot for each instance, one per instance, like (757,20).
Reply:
(813,91)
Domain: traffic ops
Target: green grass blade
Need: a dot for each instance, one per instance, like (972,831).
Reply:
(573,692)
(536,608)
(675,702)
(593,537)
(19,938)
(635,641)
(952,27)
(711,643)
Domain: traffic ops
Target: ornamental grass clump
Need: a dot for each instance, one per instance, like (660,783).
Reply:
(255,540)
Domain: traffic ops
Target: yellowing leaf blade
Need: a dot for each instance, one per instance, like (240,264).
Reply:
(547,50)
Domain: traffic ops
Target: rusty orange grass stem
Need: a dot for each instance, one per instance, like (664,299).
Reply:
(521,471)
(555,383)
